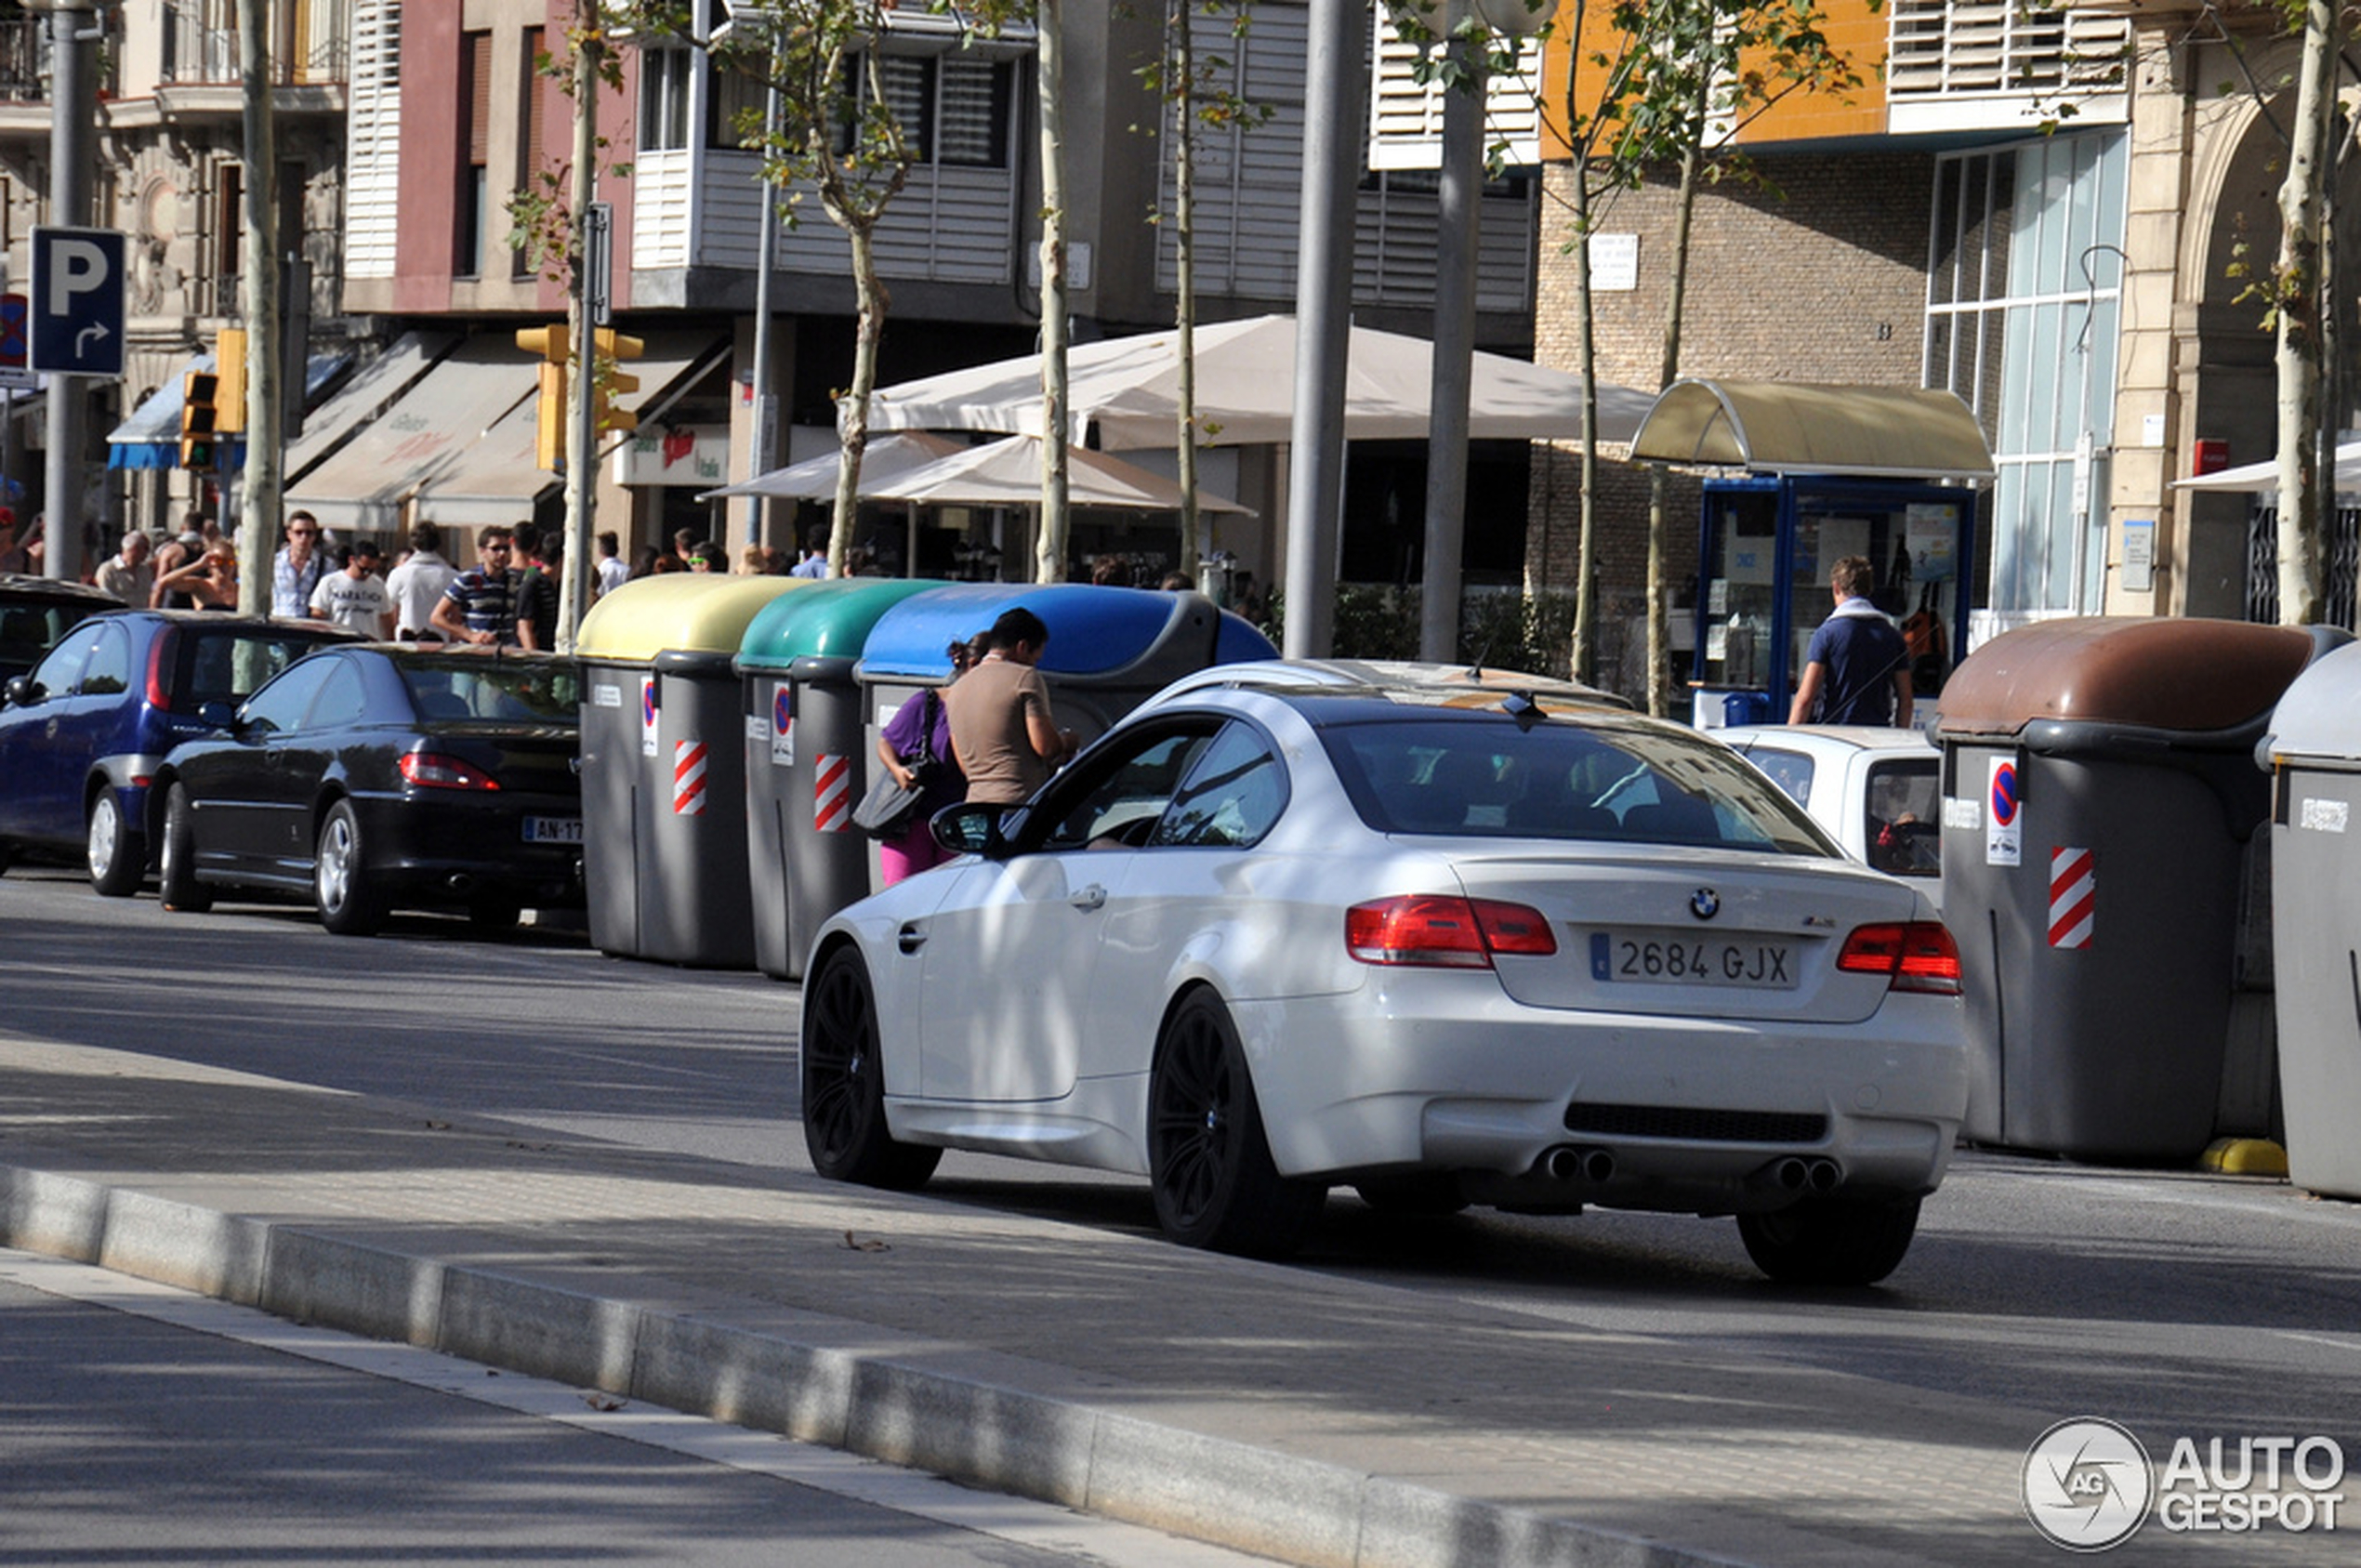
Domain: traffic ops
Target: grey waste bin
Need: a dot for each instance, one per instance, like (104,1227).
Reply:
(664,813)
(807,760)
(2314,751)
(2102,871)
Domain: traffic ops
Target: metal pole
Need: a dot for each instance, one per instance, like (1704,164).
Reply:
(765,402)
(73,138)
(1457,214)
(1335,105)
(582,435)
(258,482)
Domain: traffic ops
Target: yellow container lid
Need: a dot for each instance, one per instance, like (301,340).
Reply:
(689,611)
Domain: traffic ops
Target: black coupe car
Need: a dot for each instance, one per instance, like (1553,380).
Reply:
(378,776)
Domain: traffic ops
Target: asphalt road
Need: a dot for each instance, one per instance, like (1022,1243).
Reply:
(148,1426)
(2174,1299)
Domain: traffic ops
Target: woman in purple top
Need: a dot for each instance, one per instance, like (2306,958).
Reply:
(916,849)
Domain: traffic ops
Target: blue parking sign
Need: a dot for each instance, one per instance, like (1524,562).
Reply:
(75,309)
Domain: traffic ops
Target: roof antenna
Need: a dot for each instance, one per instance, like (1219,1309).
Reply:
(1521,706)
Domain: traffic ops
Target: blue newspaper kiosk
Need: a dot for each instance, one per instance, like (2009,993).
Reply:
(1886,473)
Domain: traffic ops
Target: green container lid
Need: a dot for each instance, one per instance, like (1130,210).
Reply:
(828,620)
(693,611)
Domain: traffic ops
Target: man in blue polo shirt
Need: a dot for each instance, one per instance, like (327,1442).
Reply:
(480,606)
(1857,670)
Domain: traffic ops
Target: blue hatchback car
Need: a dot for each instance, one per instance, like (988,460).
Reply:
(81,736)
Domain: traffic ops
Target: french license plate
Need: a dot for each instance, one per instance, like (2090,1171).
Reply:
(1677,959)
(553,830)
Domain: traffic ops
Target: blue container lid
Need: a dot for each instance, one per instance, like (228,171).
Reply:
(1239,640)
(1093,630)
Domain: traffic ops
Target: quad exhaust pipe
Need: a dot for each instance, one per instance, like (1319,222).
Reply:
(1570,1162)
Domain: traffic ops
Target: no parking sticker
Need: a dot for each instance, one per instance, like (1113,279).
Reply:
(782,725)
(2002,837)
(647,715)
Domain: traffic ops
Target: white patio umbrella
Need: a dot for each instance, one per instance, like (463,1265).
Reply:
(814,479)
(2265,476)
(1008,473)
(1130,389)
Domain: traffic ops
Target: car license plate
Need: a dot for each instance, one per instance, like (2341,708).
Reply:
(1678,958)
(553,830)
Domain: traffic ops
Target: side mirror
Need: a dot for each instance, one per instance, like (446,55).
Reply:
(23,691)
(970,828)
(217,715)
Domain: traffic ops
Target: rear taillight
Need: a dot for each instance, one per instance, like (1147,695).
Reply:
(157,699)
(1913,956)
(1441,932)
(432,770)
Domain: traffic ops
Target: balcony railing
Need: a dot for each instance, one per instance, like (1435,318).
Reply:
(24,60)
(309,44)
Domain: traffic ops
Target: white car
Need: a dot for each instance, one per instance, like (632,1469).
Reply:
(1879,792)
(1432,935)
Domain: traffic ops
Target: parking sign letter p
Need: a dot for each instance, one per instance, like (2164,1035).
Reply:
(80,266)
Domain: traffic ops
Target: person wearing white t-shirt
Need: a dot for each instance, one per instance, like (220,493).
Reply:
(355,595)
(612,571)
(417,584)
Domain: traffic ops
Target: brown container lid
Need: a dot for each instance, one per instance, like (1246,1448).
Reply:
(2165,673)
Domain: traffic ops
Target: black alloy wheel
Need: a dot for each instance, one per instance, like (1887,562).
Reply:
(1208,1161)
(844,1119)
(177,881)
(1837,1240)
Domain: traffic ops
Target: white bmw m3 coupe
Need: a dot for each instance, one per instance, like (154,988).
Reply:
(1450,938)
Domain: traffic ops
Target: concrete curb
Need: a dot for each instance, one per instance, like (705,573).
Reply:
(932,1406)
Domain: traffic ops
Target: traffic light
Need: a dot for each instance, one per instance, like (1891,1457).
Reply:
(550,413)
(607,382)
(229,368)
(200,445)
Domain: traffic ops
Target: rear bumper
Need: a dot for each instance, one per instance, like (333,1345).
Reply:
(1441,1070)
(468,848)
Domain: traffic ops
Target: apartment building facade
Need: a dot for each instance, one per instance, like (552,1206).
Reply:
(450,114)
(171,175)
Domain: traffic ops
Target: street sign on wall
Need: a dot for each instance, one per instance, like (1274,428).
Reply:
(74,315)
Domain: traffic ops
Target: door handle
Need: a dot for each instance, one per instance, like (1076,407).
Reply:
(910,938)
(1091,897)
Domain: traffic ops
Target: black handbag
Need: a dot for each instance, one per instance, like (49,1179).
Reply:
(886,811)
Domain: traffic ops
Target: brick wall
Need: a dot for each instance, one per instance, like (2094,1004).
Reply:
(1817,272)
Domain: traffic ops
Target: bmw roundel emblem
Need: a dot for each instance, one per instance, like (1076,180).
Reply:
(1704,903)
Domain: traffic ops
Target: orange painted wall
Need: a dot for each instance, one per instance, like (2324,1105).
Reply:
(1852,28)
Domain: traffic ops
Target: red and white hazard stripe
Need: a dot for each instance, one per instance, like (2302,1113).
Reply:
(688,779)
(831,793)
(2074,897)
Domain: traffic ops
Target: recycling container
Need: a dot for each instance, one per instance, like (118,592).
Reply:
(1110,648)
(808,763)
(2104,874)
(664,811)
(2314,754)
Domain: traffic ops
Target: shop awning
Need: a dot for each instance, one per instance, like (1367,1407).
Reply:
(458,446)
(150,438)
(1791,427)
(2263,479)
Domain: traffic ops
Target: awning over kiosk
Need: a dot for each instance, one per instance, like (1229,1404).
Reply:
(1790,428)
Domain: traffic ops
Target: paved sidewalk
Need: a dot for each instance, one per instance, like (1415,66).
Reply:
(1121,1375)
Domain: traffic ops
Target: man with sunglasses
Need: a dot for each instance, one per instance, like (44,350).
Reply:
(297,568)
(480,606)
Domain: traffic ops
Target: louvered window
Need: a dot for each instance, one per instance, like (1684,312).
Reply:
(372,156)
(1406,114)
(474,205)
(1953,48)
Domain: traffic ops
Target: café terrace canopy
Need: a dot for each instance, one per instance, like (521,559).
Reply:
(1127,390)
(1008,473)
(1795,428)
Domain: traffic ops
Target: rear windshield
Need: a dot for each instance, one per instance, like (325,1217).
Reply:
(1631,781)
(226,664)
(506,691)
